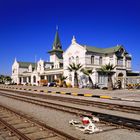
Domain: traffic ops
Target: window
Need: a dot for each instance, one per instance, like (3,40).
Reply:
(70,77)
(70,60)
(34,79)
(128,63)
(42,77)
(120,62)
(20,80)
(103,79)
(77,60)
(40,66)
(29,79)
(100,61)
(24,79)
(111,59)
(14,70)
(92,59)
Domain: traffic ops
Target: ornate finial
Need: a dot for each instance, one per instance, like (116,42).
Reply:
(73,40)
(15,59)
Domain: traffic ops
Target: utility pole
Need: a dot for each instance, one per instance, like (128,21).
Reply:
(35,64)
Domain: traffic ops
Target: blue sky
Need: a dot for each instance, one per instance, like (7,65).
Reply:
(27,27)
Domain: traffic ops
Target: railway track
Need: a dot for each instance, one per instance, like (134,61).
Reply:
(105,118)
(103,105)
(17,126)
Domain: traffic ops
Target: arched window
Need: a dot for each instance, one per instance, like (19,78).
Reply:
(13,70)
(120,75)
(77,60)
(72,59)
(92,59)
(34,79)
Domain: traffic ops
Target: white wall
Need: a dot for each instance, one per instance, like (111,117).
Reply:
(74,50)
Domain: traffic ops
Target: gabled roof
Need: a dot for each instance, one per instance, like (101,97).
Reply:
(103,50)
(48,62)
(26,64)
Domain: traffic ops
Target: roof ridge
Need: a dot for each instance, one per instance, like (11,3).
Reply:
(103,50)
(25,62)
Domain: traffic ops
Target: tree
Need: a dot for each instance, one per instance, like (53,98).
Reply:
(75,68)
(2,79)
(107,69)
(88,72)
(8,79)
(62,81)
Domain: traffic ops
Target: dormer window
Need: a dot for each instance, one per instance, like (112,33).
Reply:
(121,50)
(120,61)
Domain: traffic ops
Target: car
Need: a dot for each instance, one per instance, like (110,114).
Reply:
(7,83)
(52,84)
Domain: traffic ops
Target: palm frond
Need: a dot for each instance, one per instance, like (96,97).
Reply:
(74,67)
(107,68)
(87,71)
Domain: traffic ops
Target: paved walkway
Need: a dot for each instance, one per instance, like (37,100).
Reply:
(124,93)
(123,97)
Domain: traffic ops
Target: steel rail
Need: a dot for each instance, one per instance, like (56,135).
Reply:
(59,133)
(20,135)
(121,121)
(109,106)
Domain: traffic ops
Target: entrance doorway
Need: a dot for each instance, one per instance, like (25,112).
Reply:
(120,80)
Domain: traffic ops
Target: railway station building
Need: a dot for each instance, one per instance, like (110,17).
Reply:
(89,57)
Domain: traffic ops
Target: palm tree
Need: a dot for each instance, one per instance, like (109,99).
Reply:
(75,68)
(62,81)
(2,78)
(88,72)
(107,69)
(8,79)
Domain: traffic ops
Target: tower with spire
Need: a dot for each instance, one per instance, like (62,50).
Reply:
(56,54)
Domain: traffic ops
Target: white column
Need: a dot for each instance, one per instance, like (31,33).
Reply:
(18,80)
(45,77)
(55,77)
(95,77)
(21,80)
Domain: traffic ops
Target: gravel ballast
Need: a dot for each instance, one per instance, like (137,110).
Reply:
(60,121)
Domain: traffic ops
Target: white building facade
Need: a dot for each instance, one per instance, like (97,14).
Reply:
(32,73)
(94,58)
(89,57)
